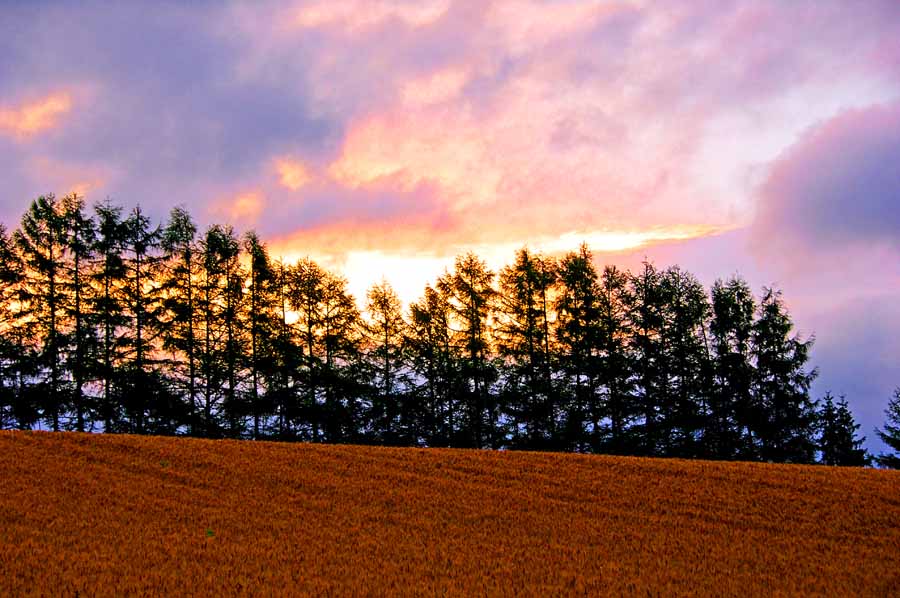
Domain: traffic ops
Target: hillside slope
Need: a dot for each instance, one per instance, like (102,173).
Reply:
(115,514)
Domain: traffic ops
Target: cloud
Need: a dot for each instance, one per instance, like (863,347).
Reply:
(292,174)
(32,118)
(838,186)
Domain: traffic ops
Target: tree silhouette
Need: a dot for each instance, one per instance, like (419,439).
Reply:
(731,407)
(785,411)
(392,417)
(80,233)
(890,433)
(107,306)
(42,245)
(262,299)
(156,330)
(434,362)
(9,359)
(523,341)
(838,444)
(470,295)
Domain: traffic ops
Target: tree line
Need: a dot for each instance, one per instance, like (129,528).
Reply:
(109,322)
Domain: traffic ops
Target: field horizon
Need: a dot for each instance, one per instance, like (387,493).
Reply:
(112,514)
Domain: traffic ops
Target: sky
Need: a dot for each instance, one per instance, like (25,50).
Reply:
(384,137)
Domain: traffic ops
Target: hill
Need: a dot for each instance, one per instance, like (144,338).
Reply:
(91,514)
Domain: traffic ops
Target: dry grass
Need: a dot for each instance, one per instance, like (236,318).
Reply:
(95,514)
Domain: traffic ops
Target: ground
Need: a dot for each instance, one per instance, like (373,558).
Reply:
(106,514)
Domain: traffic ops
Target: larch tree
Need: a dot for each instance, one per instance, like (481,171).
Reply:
(143,394)
(433,362)
(523,336)
(9,360)
(262,305)
(107,305)
(688,362)
(470,296)
(647,304)
(80,237)
(179,307)
(838,442)
(613,364)
(731,407)
(42,244)
(890,434)
(781,385)
(392,417)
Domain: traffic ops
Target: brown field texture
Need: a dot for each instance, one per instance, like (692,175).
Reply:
(104,514)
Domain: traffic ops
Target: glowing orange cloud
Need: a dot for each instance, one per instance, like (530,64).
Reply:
(292,174)
(243,208)
(32,118)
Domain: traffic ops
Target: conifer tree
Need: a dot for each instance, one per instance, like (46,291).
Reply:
(890,433)
(218,255)
(9,366)
(688,363)
(287,354)
(261,304)
(342,375)
(392,417)
(80,233)
(433,362)
(647,313)
(179,306)
(616,364)
(523,340)
(107,306)
(42,245)
(578,306)
(781,385)
(140,387)
(838,444)
(731,408)
(470,296)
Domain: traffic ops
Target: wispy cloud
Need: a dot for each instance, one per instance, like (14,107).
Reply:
(30,118)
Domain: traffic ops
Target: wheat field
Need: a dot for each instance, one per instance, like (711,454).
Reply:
(84,514)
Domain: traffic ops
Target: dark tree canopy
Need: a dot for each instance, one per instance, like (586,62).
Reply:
(111,322)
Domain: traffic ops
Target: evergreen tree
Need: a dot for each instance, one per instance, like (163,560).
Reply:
(616,365)
(342,374)
(646,307)
(392,417)
(578,306)
(107,306)
(305,295)
(218,257)
(838,444)
(890,433)
(80,233)
(433,362)
(731,409)
(688,364)
(262,303)
(781,385)
(139,385)
(179,306)
(42,244)
(9,360)
(470,296)
(287,354)
(523,341)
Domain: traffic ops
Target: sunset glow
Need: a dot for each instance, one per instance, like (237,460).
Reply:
(384,137)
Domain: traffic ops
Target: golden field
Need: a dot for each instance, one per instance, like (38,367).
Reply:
(103,514)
